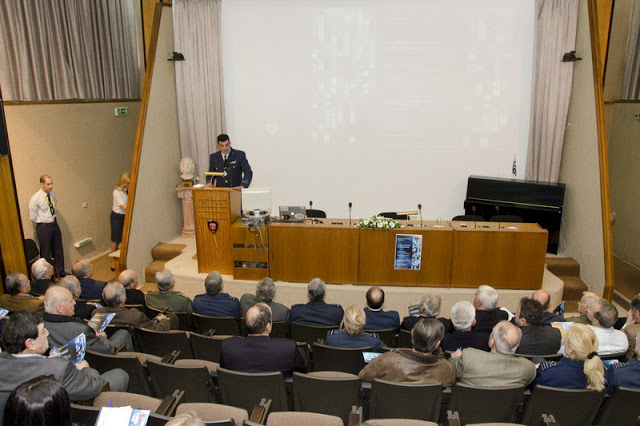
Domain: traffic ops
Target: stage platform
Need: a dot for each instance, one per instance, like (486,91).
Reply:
(191,283)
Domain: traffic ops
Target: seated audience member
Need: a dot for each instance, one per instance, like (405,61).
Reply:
(351,334)
(624,374)
(258,352)
(585,302)
(83,309)
(429,308)
(129,279)
(42,273)
(536,338)
(18,297)
(316,311)
(25,341)
(498,367)
(165,297)
(377,319)
(423,363)
(188,418)
(214,302)
(632,327)
(63,326)
(265,293)
(579,368)
(548,316)
(463,317)
(603,316)
(39,401)
(115,297)
(487,313)
(91,289)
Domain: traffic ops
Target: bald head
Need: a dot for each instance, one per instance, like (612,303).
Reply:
(17,283)
(128,278)
(82,269)
(543,297)
(114,294)
(41,269)
(505,338)
(59,301)
(375,297)
(258,319)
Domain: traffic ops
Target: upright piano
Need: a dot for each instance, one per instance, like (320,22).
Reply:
(534,202)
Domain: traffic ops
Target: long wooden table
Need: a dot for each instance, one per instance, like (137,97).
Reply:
(454,254)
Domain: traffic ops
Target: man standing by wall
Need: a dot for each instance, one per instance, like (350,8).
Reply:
(43,213)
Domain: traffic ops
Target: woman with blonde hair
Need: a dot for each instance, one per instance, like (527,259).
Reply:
(119,206)
(351,333)
(580,368)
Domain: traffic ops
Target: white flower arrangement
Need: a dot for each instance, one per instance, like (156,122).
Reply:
(379,222)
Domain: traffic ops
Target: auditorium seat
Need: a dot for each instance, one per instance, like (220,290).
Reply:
(621,409)
(420,401)
(478,404)
(246,390)
(195,381)
(84,415)
(160,343)
(548,357)
(184,318)
(138,379)
(210,411)
(222,325)
(387,335)
(505,218)
(400,422)
(207,347)
(313,213)
(467,218)
(347,360)
(404,339)
(123,399)
(310,333)
(297,418)
(568,406)
(279,329)
(326,395)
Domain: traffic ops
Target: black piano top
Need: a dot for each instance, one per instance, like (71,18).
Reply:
(516,192)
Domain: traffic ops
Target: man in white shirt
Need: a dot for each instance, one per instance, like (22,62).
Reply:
(603,316)
(43,213)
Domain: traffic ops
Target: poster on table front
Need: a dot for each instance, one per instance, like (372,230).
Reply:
(408,252)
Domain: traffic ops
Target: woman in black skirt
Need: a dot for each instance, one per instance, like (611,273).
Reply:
(120,195)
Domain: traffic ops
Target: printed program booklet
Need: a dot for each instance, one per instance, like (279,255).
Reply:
(73,351)
(100,321)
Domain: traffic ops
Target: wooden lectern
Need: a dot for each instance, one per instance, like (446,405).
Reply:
(215,209)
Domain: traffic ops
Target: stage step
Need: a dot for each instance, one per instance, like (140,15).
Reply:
(563,266)
(161,253)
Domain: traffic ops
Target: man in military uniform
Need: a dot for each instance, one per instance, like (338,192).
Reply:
(165,298)
(232,162)
(316,311)
(214,302)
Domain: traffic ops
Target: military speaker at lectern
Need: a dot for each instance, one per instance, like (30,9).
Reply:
(232,163)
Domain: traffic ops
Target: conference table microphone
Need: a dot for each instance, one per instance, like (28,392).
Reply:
(311,208)
(420,210)
(498,214)
(350,204)
(475,222)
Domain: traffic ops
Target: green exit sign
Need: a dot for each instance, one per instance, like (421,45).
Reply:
(122,111)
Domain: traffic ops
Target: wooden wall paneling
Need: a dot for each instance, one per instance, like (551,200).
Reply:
(249,246)
(377,256)
(10,227)
(501,258)
(300,252)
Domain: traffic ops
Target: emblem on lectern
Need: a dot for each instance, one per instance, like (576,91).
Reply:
(213,226)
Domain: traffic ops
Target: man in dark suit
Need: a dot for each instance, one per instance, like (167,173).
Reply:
(377,319)
(24,338)
(463,318)
(258,352)
(214,302)
(536,338)
(83,309)
(429,308)
(316,311)
(265,292)
(129,279)
(233,163)
(487,312)
(91,289)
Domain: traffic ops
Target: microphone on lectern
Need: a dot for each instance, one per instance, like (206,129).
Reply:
(350,204)
(420,210)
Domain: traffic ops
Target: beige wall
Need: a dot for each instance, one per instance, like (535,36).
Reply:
(581,235)
(157,212)
(85,148)
(624,157)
